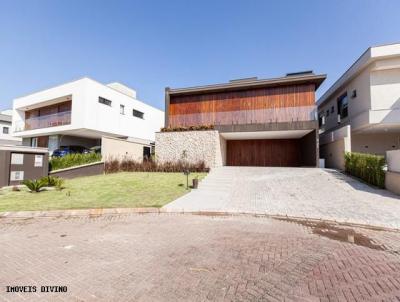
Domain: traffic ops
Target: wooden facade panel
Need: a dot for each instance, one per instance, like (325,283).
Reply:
(47,110)
(264,152)
(272,104)
(277,97)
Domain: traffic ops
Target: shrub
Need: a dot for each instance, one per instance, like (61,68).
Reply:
(72,160)
(53,181)
(368,167)
(188,128)
(129,165)
(35,185)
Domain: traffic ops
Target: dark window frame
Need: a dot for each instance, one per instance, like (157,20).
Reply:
(6,130)
(105,101)
(137,113)
(122,109)
(321,119)
(343,105)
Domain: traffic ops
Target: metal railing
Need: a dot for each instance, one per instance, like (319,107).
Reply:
(258,116)
(45,121)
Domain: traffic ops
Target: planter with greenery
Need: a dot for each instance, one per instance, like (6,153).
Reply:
(188,128)
(368,167)
(129,165)
(72,160)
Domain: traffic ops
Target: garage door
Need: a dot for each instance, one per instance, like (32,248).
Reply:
(263,152)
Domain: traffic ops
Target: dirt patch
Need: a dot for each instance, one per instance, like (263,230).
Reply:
(339,233)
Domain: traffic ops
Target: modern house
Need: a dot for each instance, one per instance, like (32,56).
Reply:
(6,130)
(81,113)
(252,122)
(361,111)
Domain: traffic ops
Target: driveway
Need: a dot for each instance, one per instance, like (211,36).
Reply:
(171,257)
(299,192)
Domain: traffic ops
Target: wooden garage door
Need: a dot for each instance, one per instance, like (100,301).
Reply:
(263,152)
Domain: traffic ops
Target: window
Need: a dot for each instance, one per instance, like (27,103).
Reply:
(332,109)
(146,153)
(342,104)
(321,119)
(104,101)
(6,130)
(327,112)
(34,142)
(121,109)
(137,113)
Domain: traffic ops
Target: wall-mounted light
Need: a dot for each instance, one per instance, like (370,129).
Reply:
(354,94)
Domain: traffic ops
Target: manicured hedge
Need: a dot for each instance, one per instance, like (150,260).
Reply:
(72,160)
(368,167)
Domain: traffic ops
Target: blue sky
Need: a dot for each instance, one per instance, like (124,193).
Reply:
(149,45)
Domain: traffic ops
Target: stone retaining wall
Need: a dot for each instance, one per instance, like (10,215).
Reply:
(205,146)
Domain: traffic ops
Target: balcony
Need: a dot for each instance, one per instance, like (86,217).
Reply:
(45,121)
(258,116)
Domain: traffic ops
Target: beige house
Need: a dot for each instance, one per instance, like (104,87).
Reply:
(361,111)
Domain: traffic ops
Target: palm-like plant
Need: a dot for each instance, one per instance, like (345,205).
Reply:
(34,185)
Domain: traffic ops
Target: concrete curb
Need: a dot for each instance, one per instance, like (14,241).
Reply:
(93,213)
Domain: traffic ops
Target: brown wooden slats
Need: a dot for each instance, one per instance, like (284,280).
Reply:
(264,152)
(47,110)
(287,96)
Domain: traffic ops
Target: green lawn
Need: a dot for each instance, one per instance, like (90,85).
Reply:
(125,189)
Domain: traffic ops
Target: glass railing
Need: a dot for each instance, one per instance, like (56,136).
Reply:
(258,116)
(45,121)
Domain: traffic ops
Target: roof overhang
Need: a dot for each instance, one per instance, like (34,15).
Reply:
(243,85)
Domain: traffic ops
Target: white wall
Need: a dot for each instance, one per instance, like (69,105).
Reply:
(375,143)
(357,105)
(393,160)
(7,139)
(109,120)
(88,113)
(114,148)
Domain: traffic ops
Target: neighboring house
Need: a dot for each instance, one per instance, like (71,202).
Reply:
(268,122)
(81,112)
(6,130)
(361,111)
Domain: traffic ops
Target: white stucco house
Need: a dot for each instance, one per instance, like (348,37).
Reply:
(81,112)
(361,111)
(6,130)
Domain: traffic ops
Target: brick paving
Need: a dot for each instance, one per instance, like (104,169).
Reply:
(170,257)
(299,192)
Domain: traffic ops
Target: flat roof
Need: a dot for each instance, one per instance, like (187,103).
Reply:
(251,83)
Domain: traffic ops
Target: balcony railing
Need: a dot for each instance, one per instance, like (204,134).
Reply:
(258,116)
(45,121)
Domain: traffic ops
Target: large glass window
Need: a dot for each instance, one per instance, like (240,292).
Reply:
(343,104)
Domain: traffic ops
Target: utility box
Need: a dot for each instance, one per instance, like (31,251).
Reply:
(18,163)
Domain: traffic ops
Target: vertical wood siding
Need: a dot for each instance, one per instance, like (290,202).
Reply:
(188,109)
(264,152)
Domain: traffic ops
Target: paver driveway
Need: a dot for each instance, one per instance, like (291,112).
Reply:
(170,257)
(299,192)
